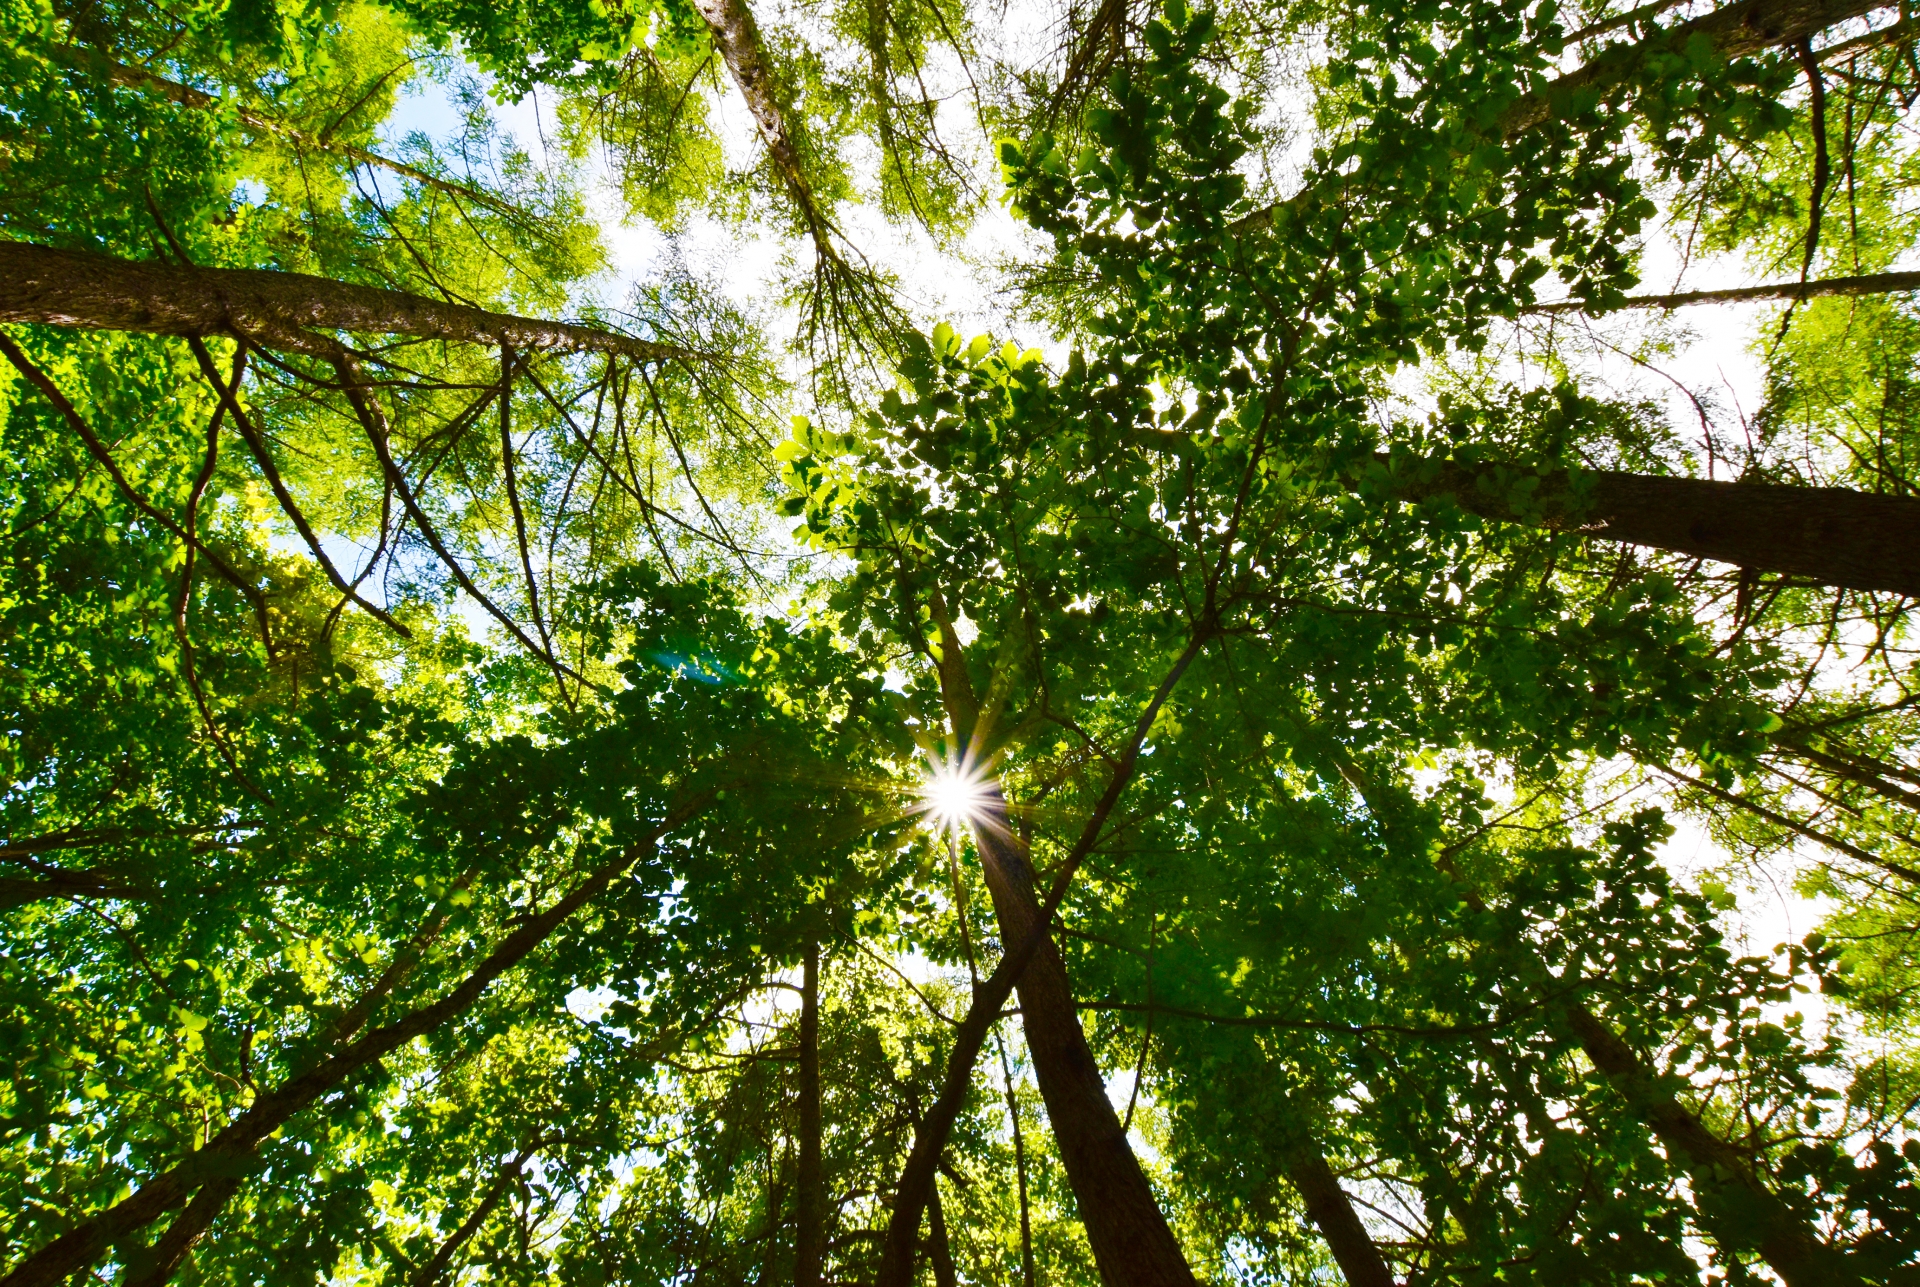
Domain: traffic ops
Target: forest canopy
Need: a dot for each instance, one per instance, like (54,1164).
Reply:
(909,641)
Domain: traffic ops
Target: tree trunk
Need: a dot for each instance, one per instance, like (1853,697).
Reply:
(1863,284)
(1332,1210)
(436,1265)
(233,1147)
(1756,1217)
(1131,1240)
(1020,951)
(1829,535)
(1736,29)
(178,1240)
(939,1249)
(277,310)
(809,1189)
(737,36)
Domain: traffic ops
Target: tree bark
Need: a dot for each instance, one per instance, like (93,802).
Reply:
(1863,284)
(1829,535)
(233,1147)
(276,310)
(809,1237)
(1332,1210)
(737,36)
(1019,954)
(1131,1240)
(178,1240)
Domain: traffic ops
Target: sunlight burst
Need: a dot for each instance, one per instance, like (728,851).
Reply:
(953,796)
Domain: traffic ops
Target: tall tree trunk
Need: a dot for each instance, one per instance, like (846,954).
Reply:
(276,310)
(939,1249)
(1829,535)
(1132,1243)
(1332,1210)
(1756,1218)
(1131,1240)
(737,36)
(443,1255)
(232,1148)
(810,1206)
(1019,952)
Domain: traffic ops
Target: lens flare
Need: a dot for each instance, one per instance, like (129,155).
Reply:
(952,796)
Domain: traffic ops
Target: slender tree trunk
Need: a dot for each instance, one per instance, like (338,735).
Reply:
(1019,1171)
(1829,535)
(1132,1243)
(430,1272)
(1862,284)
(186,1230)
(939,1249)
(737,36)
(1020,951)
(80,289)
(232,1148)
(1332,1210)
(1757,1218)
(809,1189)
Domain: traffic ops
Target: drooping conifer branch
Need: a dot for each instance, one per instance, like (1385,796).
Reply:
(118,73)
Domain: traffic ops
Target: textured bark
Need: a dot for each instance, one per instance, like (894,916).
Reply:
(231,1150)
(810,1206)
(1758,1218)
(1101,1147)
(1131,1240)
(1826,534)
(1734,30)
(1332,1210)
(276,310)
(737,36)
(1864,284)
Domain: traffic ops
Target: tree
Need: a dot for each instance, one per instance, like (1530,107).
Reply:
(454,831)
